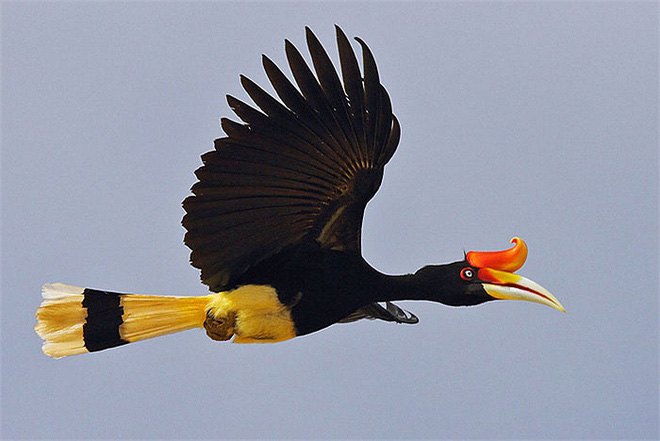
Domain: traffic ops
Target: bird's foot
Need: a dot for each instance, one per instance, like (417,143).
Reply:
(219,328)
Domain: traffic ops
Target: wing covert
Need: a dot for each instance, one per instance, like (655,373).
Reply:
(302,166)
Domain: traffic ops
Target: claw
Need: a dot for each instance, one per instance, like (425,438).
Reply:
(389,313)
(400,315)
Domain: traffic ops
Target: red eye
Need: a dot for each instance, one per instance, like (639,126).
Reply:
(467,273)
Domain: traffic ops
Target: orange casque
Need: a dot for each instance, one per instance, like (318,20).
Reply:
(508,260)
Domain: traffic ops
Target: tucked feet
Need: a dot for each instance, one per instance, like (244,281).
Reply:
(219,328)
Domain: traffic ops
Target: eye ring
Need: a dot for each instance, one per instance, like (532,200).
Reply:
(467,273)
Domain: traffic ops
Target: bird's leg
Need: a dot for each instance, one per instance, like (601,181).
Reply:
(375,311)
(400,315)
(219,328)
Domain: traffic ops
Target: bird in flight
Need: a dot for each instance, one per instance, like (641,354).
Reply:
(274,224)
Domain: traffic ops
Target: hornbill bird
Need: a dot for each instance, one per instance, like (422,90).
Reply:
(274,225)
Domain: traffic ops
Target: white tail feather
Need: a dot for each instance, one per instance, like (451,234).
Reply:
(58,290)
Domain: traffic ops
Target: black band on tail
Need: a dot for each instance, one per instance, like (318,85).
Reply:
(104,316)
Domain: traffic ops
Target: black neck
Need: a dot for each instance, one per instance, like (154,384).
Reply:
(430,283)
(405,287)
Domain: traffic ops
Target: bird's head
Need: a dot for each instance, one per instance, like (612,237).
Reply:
(487,275)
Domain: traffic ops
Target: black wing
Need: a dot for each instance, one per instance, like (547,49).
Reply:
(302,167)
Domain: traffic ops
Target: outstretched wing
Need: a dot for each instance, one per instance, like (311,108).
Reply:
(305,166)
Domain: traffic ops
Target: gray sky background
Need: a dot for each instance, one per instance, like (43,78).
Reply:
(538,120)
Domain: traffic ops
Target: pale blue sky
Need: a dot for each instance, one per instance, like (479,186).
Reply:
(530,119)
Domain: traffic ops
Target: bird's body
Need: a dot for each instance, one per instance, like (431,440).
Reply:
(274,225)
(319,286)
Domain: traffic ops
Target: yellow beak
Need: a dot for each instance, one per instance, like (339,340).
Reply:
(509,286)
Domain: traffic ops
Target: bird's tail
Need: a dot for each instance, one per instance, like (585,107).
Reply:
(73,320)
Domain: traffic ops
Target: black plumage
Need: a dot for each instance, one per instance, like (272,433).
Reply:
(301,168)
